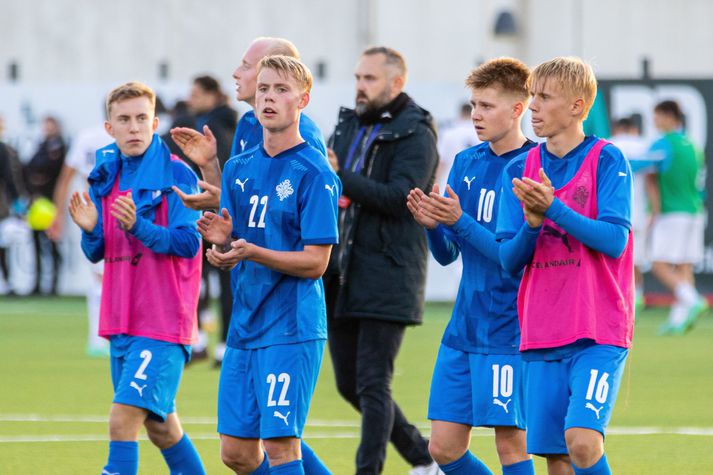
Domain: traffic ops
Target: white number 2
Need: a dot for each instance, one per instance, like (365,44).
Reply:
(283,378)
(146,355)
(254,199)
(602,388)
(502,380)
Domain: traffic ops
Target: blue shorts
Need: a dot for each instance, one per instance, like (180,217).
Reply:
(265,393)
(577,391)
(477,390)
(146,373)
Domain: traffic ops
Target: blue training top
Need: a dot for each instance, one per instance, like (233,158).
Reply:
(281,203)
(484,318)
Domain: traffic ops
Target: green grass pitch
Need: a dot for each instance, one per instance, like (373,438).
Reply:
(54,400)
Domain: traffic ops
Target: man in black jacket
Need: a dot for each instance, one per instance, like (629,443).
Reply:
(376,279)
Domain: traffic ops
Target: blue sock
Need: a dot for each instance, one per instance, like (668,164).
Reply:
(599,468)
(123,458)
(264,468)
(526,467)
(466,465)
(291,468)
(183,459)
(312,464)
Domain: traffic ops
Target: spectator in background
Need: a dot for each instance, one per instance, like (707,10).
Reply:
(677,216)
(458,136)
(381,149)
(80,160)
(10,191)
(627,137)
(181,116)
(208,105)
(41,175)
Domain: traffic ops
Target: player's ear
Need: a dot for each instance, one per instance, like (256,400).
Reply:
(304,100)
(154,125)
(578,106)
(517,109)
(109,129)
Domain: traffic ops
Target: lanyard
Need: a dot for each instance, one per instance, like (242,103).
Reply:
(355,144)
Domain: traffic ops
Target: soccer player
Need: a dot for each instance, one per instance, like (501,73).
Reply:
(151,250)
(565,218)
(678,220)
(477,380)
(277,224)
(202,148)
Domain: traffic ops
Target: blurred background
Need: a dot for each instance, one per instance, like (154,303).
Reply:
(59,58)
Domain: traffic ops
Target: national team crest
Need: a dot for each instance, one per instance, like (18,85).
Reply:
(284,189)
(580,195)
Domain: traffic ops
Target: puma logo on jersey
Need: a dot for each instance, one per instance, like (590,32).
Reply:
(107,152)
(497,402)
(242,144)
(622,174)
(241,183)
(138,388)
(548,230)
(280,416)
(331,189)
(589,405)
(468,181)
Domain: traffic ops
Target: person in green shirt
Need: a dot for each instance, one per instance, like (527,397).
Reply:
(678,222)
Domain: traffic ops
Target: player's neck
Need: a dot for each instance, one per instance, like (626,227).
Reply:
(513,140)
(276,142)
(566,140)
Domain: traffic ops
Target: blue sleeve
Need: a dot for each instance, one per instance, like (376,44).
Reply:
(602,236)
(93,243)
(475,234)
(444,249)
(225,198)
(318,209)
(614,187)
(180,238)
(510,216)
(517,252)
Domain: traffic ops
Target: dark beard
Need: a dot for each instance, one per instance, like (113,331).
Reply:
(373,105)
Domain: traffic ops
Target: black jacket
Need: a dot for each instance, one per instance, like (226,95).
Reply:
(382,255)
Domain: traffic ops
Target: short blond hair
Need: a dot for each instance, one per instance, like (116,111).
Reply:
(509,74)
(288,66)
(574,76)
(130,90)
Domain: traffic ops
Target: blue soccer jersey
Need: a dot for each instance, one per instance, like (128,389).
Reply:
(248,134)
(614,185)
(485,314)
(281,203)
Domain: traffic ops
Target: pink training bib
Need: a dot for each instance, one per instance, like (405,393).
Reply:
(145,293)
(569,291)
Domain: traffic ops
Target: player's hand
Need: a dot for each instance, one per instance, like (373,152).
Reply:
(538,196)
(333,161)
(209,198)
(244,249)
(534,220)
(222,260)
(444,209)
(83,211)
(216,228)
(201,149)
(413,203)
(124,210)
(56,229)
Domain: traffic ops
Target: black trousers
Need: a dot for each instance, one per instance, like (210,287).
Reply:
(43,244)
(363,352)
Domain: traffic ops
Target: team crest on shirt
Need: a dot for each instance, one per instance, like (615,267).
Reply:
(580,195)
(284,189)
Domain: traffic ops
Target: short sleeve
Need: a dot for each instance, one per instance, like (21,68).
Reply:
(318,209)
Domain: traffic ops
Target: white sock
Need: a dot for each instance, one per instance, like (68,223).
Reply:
(219,351)
(686,294)
(202,342)
(678,313)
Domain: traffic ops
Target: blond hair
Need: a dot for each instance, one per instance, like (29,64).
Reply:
(278,46)
(130,90)
(288,66)
(574,76)
(509,74)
